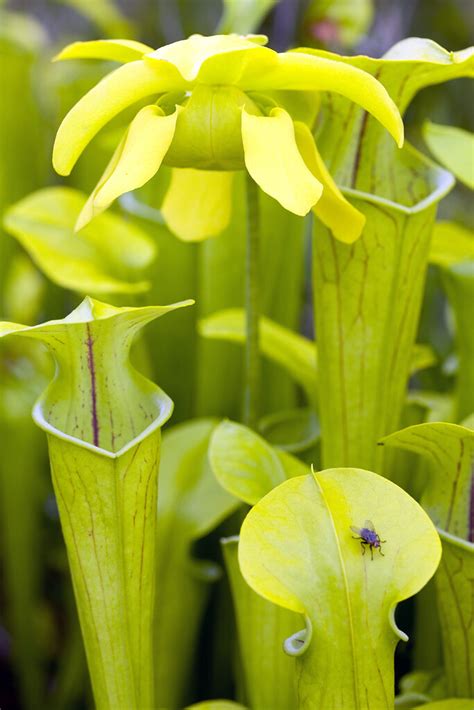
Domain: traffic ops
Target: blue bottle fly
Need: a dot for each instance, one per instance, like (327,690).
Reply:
(368,536)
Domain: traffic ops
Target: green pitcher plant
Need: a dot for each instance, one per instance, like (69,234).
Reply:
(367,296)
(190,504)
(447,497)
(248,467)
(452,251)
(103,421)
(347,547)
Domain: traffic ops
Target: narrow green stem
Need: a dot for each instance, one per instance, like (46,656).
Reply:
(252,306)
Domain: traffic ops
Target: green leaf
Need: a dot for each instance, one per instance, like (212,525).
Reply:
(452,244)
(23,371)
(453,148)
(447,498)
(422,357)
(105,14)
(458,282)
(243,16)
(23,135)
(248,467)
(105,257)
(245,465)
(292,430)
(436,406)
(449,449)
(310,563)
(284,347)
(291,351)
(103,424)
(454,594)
(269,674)
(191,503)
(421,686)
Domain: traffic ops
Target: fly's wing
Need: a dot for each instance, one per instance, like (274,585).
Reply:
(355,530)
(369,525)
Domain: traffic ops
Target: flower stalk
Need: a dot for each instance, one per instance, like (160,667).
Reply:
(252,305)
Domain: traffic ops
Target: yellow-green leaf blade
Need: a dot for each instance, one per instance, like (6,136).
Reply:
(452,147)
(454,597)
(190,504)
(245,465)
(451,244)
(106,257)
(450,449)
(292,351)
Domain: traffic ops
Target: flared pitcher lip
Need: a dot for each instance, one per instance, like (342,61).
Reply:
(446,182)
(166,410)
(455,540)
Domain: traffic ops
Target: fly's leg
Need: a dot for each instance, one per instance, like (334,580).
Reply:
(380,549)
(363,544)
(372,552)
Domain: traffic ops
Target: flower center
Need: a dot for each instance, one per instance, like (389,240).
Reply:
(208,130)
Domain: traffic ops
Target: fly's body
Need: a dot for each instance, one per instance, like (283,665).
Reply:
(368,536)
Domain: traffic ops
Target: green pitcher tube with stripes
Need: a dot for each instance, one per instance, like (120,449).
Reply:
(103,424)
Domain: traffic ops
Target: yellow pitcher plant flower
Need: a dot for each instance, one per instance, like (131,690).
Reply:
(219,104)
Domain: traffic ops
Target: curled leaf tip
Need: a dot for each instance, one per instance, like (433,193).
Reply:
(298,643)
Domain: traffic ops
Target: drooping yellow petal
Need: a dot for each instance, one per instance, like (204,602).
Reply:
(89,211)
(118,90)
(342,218)
(274,161)
(117,50)
(135,161)
(198,203)
(304,72)
(197,53)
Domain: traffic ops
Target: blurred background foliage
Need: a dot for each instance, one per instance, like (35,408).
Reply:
(41,657)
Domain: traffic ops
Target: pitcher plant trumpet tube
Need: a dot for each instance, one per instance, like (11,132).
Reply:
(103,422)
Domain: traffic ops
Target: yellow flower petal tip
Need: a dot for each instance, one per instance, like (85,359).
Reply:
(207,195)
(91,209)
(115,50)
(273,160)
(400,134)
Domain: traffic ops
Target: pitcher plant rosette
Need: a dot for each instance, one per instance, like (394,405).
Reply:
(220,104)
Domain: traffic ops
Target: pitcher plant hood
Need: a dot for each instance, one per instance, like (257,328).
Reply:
(219,104)
(96,397)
